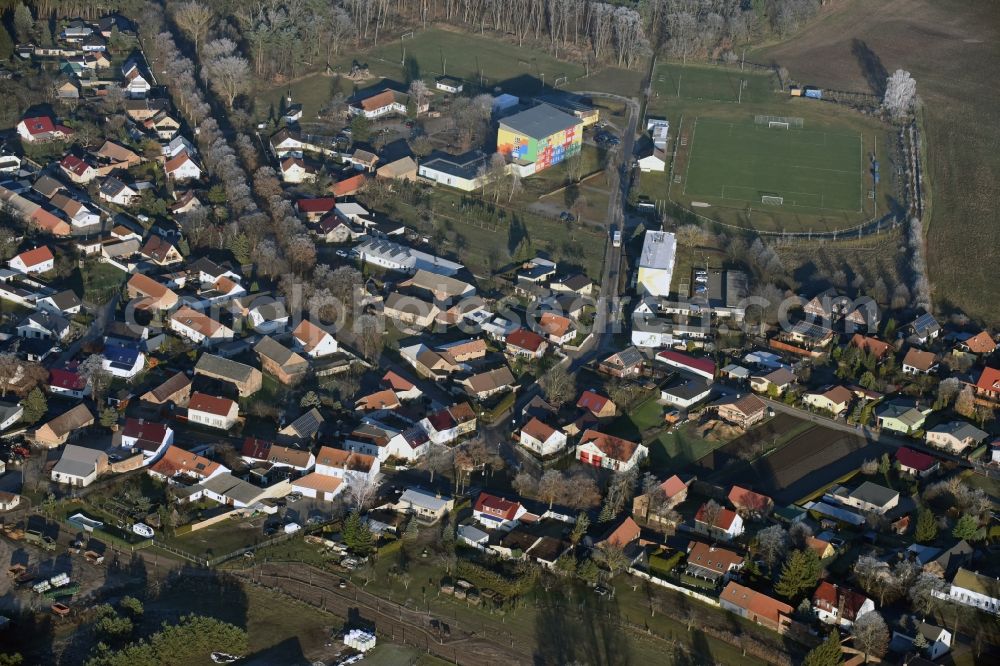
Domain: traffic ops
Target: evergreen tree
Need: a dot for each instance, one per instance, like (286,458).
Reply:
(109,417)
(919,641)
(6,44)
(35,406)
(800,573)
(884,464)
(239,245)
(926,526)
(827,653)
(966,528)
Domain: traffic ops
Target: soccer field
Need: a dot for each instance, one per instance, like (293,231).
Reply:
(810,170)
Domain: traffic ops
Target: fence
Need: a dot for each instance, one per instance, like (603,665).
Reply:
(711,601)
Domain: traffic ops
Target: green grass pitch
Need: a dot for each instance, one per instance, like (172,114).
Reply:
(737,164)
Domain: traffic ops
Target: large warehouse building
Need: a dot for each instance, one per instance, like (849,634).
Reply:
(656,263)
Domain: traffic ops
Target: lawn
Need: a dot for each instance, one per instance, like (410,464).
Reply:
(738,164)
(100,280)
(219,539)
(711,84)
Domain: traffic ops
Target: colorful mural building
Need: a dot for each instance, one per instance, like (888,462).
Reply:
(539,137)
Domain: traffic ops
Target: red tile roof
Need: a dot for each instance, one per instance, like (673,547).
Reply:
(176,461)
(397,382)
(989,380)
(142,429)
(202,402)
(255,448)
(919,359)
(592,402)
(497,506)
(74,165)
(39,125)
(615,448)
(522,338)
(915,459)
(318,205)
(348,186)
(37,256)
(68,380)
(441,420)
(742,498)
(873,346)
(699,364)
(626,532)
(672,486)
(981,343)
(538,429)
(758,604)
(723,521)
(828,596)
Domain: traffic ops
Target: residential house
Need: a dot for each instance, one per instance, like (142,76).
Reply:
(9,501)
(712,563)
(79,466)
(305,427)
(448,84)
(834,604)
(402,387)
(686,391)
(198,327)
(427,507)
(410,311)
(117,192)
(281,362)
(482,385)
(821,547)
(68,382)
(937,640)
(447,425)
(609,452)
(383,103)
(749,503)
(319,486)
(64,302)
(916,463)
(405,168)
(37,260)
(987,387)
(59,429)
(946,564)
(923,329)
(955,436)
(834,399)
(43,325)
(600,406)
(315,341)
(743,411)
(654,507)
(315,209)
(384,399)
(919,362)
(114,156)
(151,294)
(77,170)
(160,251)
(176,390)
(901,416)
(261,450)
(872,497)
(347,465)
(625,363)
(756,607)
(177,463)
(246,379)
(463,172)
(781,379)
(124,361)
(541,438)
(558,329)
(725,525)
(620,535)
(151,437)
(42,129)
(523,342)
(980,344)
(398,257)
(974,589)
(10,413)
(496,512)
(363,160)
(212,411)
(135,83)
(297,170)
(268,317)
(878,349)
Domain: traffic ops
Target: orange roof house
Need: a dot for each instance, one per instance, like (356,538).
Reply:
(750,502)
(385,399)
(756,607)
(176,461)
(870,345)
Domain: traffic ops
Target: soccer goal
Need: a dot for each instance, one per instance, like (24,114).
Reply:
(772,200)
(783,122)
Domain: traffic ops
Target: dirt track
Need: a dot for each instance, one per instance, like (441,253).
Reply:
(401,625)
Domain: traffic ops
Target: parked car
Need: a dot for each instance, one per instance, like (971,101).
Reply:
(567,216)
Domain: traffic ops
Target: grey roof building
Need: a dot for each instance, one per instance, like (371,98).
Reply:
(539,121)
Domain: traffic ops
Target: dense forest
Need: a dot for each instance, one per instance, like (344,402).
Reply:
(287,38)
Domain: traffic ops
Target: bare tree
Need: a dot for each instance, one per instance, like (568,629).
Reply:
(525,484)
(611,556)
(551,486)
(900,93)
(772,544)
(229,76)
(195,20)
(10,365)
(92,369)
(871,635)
(559,385)
(370,338)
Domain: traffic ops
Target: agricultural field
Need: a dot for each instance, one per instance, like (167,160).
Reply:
(946,45)
(820,170)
